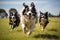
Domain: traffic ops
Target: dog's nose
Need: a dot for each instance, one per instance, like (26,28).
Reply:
(29,13)
(13,17)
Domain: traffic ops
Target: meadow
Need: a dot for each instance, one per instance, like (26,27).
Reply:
(51,32)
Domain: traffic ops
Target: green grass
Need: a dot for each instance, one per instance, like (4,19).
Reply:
(51,32)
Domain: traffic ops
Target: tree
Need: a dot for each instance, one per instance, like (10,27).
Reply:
(50,15)
(3,13)
(59,14)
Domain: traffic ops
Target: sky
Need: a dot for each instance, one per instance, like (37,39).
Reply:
(52,6)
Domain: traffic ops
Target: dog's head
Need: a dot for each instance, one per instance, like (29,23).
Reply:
(44,15)
(12,15)
(29,14)
(44,18)
(28,11)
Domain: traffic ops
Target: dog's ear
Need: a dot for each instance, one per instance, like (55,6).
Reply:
(46,13)
(32,4)
(41,13)
(24,4)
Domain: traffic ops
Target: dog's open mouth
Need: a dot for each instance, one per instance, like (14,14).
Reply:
(29,16)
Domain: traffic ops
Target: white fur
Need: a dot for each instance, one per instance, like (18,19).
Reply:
(30,23)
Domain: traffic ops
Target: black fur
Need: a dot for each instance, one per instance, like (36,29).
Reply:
(45,16)
(16,15)
(33,10)
(26,9)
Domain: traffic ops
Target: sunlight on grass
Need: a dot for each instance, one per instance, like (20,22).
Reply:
(51,32)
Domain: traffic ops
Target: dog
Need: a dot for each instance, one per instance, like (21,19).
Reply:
(43,20)
(28,20)
(14,18)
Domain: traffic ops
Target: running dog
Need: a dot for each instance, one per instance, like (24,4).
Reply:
(14,18)
(27,20)
(43,20)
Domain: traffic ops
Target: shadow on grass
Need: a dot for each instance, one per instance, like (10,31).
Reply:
(46,36)
(53,30)
(19,30)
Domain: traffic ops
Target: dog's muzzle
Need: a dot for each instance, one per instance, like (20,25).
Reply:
(13,19)
(30,15)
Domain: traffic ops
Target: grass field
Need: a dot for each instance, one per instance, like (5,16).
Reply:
(51,32)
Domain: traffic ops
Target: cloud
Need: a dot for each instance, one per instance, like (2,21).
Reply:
(20,2)
(10,2)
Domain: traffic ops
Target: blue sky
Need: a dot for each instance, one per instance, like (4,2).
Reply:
(52,6)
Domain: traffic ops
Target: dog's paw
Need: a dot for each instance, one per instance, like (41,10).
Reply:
(42,29)
(14,29)
(29,33)
(10,29)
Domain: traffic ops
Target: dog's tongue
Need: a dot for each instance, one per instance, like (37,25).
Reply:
(30,17)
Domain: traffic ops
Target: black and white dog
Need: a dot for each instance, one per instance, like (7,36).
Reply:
(28,19)
(14,18)
(43,20)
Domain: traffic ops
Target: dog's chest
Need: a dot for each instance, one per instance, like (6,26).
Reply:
(28,21)
(43,20)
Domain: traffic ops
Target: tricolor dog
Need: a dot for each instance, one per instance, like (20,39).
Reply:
(28,19)
(14,18)
(43,20)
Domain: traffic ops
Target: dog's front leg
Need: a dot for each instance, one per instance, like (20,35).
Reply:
(11,27)
(42,27)
(31,29)
(24,28)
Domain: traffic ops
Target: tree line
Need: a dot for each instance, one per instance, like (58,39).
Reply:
(3,13)
(51,15)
